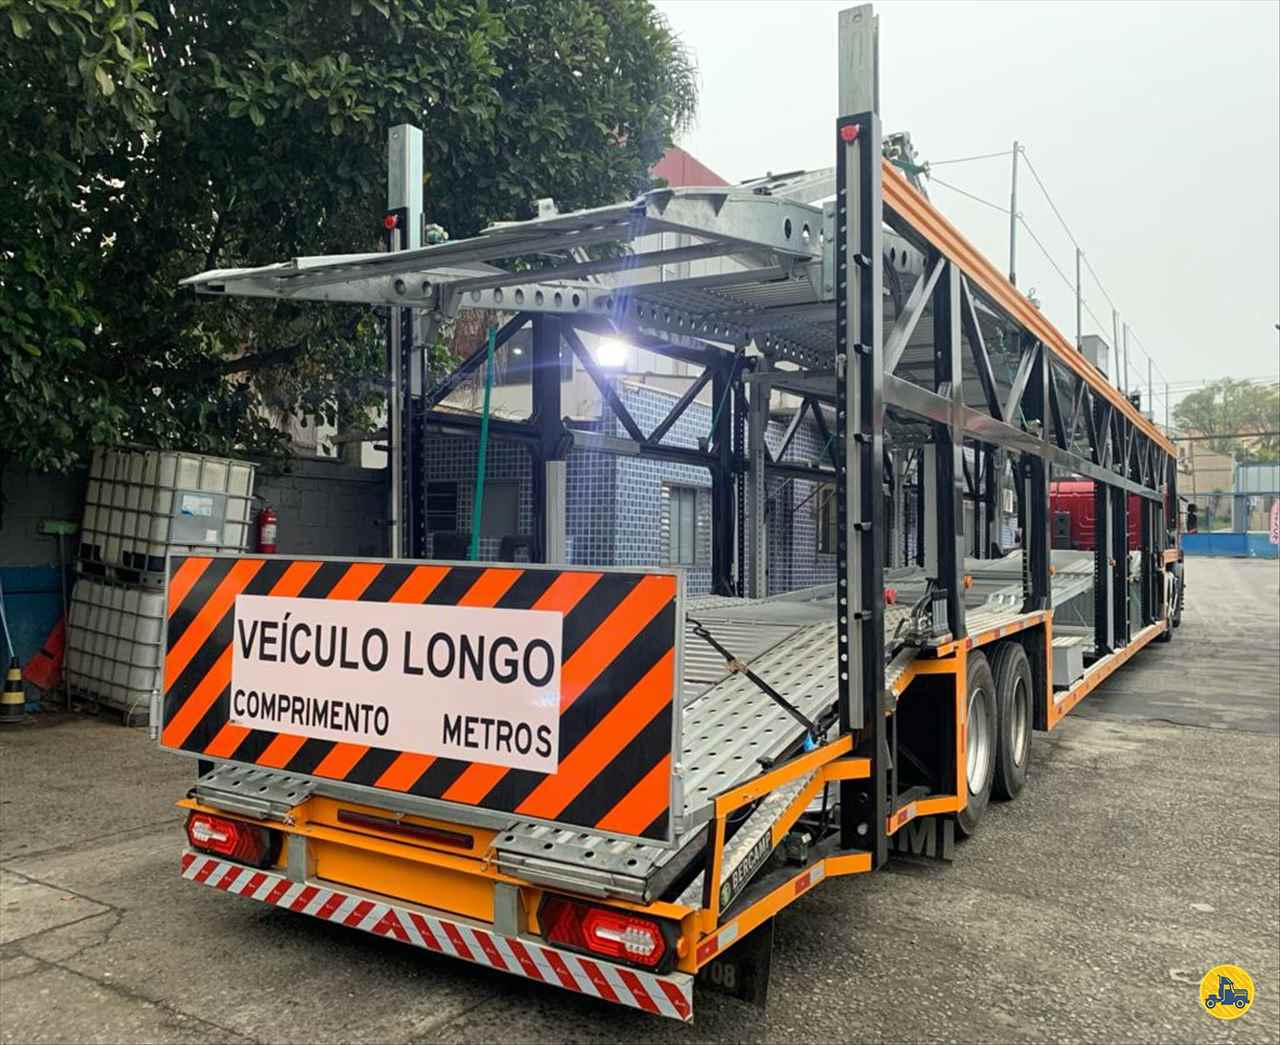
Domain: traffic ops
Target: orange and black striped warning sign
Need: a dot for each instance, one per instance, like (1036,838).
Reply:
(561,711)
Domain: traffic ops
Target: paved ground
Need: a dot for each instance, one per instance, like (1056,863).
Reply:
(1146,849)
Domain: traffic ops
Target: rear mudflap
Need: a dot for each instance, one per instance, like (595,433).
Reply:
(670,995)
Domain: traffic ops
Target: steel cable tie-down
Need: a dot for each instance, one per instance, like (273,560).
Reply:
(737,667)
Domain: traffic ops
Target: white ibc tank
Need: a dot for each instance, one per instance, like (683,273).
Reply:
(115,644)
(142,504)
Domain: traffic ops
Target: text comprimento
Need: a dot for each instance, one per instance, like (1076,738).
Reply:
(481,685)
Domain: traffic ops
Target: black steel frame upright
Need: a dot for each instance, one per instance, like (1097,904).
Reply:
(545,394)
(864,804)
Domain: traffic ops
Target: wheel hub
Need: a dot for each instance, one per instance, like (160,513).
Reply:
(979,747)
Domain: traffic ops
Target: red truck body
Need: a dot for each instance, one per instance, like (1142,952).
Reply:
(1071,514)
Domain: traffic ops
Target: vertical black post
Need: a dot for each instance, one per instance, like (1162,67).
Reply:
(1035,535)
(415,481)
(992,474)
(864,805)
(1103,604)
(741,414)
(545,386)
(1147,546)
(1120,560)
(918,521)
(949,445)
(413,534)
(979,503)
(722,479)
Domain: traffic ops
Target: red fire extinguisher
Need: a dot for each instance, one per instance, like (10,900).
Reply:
(267,530)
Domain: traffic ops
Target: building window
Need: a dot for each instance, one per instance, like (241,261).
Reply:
(682,525)
(442,507)
(827,519)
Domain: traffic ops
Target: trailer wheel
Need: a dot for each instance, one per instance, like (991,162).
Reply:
(1012,672)
(980,741)
(1179,584)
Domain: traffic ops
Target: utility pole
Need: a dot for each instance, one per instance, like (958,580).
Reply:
(1125,389)
(1013,219)
(403,224)
(1079,299)
(1115,346)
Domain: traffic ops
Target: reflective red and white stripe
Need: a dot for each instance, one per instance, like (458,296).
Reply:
(670,996)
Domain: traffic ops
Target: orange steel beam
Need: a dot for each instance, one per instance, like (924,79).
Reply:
(1061,704)
(922,216)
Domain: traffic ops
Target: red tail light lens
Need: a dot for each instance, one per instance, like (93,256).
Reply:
(231,838)
(609,933)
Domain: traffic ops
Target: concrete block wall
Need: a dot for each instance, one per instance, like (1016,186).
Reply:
(30,498)
(29,570)
(326,508)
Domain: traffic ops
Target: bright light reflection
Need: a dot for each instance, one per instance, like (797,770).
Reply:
(611,352)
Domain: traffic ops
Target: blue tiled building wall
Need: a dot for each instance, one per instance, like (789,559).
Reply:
(638,539)
(591,508)
(453,458)
(792,514)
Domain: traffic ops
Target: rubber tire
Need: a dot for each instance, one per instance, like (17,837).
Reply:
(1177,606)
(1009,666)
(979,675)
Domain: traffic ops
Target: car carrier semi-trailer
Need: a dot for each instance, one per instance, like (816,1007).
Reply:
(583,775)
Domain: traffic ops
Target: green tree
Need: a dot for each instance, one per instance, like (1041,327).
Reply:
(1242,418)
(147,141)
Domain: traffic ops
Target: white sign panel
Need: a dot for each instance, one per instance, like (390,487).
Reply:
(482,685)
(1275,523)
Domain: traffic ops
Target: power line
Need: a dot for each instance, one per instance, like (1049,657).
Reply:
(1063,221)
(1223,435)
(1070,284)
(1098,280)
(1148,355)
(1065,278)
(1202,382)
(1043,249)
(976,199)
(1085,258)
(1075,243)
(970,159)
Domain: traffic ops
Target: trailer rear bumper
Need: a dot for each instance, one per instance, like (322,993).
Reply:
(670,995)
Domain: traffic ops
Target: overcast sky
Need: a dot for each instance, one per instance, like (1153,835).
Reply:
(1156,128)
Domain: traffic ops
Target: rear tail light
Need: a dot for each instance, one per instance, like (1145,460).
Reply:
(231,838)
(609,933)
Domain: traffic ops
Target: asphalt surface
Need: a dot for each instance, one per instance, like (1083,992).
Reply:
(1145,849)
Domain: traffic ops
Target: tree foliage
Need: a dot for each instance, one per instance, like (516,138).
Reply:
(1241,416)
(145,142)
